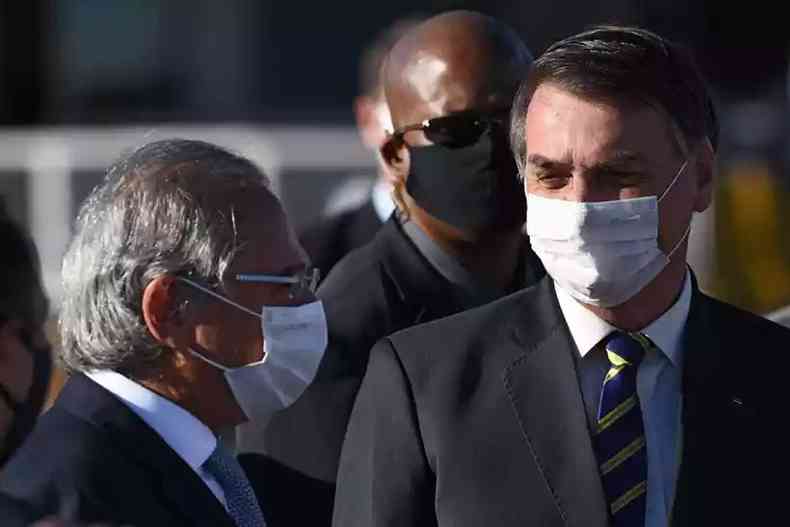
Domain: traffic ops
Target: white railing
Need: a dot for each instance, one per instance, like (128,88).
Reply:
(49,158)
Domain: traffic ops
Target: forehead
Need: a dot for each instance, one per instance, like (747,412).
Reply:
(260,227)
(431,85)
(564,127)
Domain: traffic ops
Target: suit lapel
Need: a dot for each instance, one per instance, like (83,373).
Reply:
(364,226)
(423,287)
(287,496)
(543,387)
(418,283)
(170,477)
(713,413)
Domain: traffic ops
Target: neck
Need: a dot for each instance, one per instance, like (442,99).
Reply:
(650,303)
(189,387)
(491,257)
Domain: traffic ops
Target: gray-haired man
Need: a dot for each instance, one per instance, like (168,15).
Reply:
(188,308)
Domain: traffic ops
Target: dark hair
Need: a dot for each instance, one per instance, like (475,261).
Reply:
(21,292)
(623,65)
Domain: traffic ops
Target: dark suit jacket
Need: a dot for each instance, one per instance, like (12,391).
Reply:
(478,419)
(91,459)
(14,513)
(329,239)
(381,288)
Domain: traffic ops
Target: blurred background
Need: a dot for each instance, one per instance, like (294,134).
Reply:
(83,80)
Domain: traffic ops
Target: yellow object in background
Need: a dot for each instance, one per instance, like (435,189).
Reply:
(752,246)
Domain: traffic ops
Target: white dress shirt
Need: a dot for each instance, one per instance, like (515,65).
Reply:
(658,386)
(183,432)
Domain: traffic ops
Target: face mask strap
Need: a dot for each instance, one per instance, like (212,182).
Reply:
(666,191)
(680,242)
(206,359)
(674,180)
(220,297)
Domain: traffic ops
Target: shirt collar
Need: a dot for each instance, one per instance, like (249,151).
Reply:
(184,433)
(472,291)
(381,196)
(666,332)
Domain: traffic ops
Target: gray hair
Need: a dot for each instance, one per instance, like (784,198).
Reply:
(151,216)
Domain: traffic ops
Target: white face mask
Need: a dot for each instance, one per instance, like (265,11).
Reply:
(601,253)
(294,342)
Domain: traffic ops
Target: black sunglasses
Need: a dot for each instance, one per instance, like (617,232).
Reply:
(457,130)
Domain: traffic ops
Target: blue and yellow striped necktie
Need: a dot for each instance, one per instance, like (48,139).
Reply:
(620,434)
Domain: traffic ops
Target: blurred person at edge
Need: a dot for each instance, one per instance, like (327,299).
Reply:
(333,236)
(457,240)
(188,307)
(614,392)
(25,361)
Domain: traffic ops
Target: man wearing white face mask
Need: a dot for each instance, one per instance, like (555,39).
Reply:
(614,392)
(188,308)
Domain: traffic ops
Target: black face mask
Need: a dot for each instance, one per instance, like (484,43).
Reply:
(474,188)
(27,411)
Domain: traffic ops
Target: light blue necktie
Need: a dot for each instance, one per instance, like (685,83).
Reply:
(242,505)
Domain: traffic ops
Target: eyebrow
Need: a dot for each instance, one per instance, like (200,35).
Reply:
(622,157)
(543,162)
(616,160)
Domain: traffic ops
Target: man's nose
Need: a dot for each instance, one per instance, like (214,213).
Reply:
(584,189)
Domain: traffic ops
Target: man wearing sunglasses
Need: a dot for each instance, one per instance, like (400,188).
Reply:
(456,241)
(341,229)
(188,308)
(614,392)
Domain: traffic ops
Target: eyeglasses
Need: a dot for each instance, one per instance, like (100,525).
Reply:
(301,283)
(457,130)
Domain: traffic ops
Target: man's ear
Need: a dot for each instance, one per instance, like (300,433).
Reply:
(705,165)
(396,157)
(372,130)
(161,311)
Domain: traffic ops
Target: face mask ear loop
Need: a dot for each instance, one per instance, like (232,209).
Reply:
(220,297)
(666,191)
(680,242)
(201,357)
(674,180)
